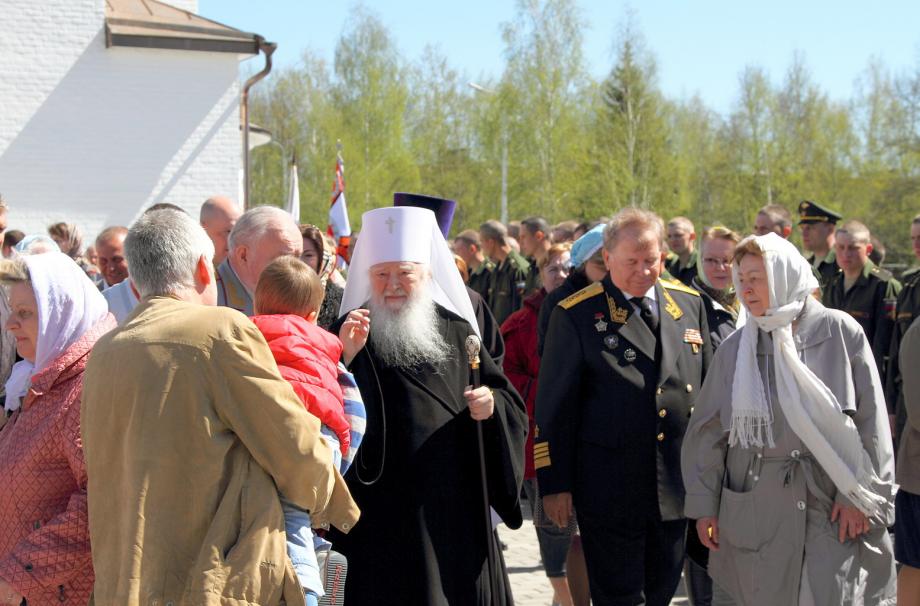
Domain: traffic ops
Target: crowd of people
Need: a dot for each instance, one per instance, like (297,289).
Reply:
(223,410)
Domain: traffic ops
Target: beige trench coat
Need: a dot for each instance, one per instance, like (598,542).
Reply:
(189,434)
(774,504)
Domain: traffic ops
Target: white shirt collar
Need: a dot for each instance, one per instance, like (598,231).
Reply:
(651,294)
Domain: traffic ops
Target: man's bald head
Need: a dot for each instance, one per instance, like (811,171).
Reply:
(218,216)
(260,236)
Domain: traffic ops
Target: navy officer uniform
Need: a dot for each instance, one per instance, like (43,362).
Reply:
(617,385)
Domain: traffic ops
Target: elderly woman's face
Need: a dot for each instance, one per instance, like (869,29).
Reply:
(755,290)
(23,320)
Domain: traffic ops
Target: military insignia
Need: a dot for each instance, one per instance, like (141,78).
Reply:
(541,455)
(671,307)
(611,341)
(629,355)
(694,338)
(617,314)
(595,288)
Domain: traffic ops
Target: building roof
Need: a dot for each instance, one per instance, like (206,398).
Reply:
(153,24)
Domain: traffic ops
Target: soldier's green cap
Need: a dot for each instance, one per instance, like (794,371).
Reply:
(812,212)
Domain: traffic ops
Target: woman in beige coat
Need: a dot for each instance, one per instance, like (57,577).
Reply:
(788,461)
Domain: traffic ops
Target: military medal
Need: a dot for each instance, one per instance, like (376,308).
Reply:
(694,338)
(611,341)
(629,355)
(600,325)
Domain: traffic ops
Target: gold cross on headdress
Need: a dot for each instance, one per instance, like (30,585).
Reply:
(390,223)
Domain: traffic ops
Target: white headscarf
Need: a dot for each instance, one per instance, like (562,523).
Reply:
(810,407)
(406,233)
(69,304)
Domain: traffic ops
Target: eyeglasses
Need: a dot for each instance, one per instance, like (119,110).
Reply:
(713,262)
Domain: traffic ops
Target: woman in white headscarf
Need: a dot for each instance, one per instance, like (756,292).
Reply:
(57,316)
(788,461)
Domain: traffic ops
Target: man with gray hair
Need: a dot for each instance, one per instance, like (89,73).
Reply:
(622,363)
(183,505)
(260,236)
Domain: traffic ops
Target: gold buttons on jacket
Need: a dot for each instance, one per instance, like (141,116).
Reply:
(661,437)
(689,388)
(658,392)
(663,413)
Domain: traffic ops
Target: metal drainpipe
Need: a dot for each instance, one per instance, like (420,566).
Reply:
(268,48)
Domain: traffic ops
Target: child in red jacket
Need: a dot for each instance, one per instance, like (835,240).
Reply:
(287,300)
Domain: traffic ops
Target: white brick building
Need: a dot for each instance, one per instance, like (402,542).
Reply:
(99,120)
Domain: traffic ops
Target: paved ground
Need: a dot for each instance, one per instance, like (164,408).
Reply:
(523,561)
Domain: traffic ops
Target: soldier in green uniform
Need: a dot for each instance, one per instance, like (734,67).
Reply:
(682,262)
(535,243)
(907,310)
(507,282)
(468,247)
(866,292)
(818,224)
(623,362)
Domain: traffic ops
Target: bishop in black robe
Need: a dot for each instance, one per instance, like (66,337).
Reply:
(422,537)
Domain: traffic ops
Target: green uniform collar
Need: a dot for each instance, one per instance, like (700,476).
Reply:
(830,257)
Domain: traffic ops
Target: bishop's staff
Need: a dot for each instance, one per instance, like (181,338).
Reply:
(473,346)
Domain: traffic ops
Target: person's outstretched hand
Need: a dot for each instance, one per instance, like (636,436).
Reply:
(354,333)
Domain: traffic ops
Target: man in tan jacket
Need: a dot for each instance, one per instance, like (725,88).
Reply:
(189,434)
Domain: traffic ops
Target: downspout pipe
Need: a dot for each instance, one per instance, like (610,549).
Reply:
(268,48)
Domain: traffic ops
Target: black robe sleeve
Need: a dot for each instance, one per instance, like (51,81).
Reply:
(492,339)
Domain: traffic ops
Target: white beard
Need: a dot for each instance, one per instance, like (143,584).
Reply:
(409,337)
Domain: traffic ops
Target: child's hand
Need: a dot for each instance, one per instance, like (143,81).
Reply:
(354,333)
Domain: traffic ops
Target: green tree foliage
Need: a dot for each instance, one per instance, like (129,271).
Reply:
(580,148)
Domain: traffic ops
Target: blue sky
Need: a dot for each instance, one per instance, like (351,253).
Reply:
(701,45)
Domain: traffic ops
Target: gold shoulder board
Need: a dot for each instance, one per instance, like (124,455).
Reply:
(587,292)
(679,286)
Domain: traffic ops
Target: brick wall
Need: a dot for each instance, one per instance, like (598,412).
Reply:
(93,135)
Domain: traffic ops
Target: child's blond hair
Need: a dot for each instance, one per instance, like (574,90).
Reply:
(288,286)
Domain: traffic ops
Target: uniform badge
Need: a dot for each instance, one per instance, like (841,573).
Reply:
(672,307)
(617,314)
(629,355)
(601,324)
(611,341)
(694,338)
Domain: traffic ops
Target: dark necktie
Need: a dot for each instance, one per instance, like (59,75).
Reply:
(645,311)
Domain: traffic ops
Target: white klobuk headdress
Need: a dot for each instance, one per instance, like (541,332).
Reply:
(411,234)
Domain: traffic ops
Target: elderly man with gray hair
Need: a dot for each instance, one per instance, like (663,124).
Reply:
(186,445)
(260,236)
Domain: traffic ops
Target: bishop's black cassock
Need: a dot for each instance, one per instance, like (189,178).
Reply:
(421,539)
